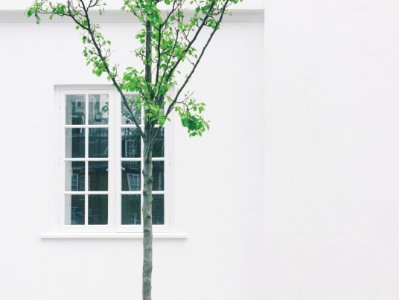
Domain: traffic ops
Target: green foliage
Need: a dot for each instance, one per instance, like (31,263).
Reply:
(190,114)
(168,40)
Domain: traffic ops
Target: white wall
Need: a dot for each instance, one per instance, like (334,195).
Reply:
(218,177)
(332,164)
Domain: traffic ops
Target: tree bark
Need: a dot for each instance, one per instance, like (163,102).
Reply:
(147,215)
(147,174)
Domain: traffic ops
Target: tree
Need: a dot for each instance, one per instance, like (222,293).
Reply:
(169,39)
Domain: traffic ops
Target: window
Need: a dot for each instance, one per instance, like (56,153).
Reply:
(101,165)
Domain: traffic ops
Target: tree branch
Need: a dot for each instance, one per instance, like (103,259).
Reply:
(106,66)
(171,106)
(192,41)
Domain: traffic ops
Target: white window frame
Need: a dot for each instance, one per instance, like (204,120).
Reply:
(114,160)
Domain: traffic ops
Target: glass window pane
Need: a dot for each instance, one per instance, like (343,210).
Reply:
(74,142)
(98,109)
(158,175)
(131,209)
(74,209)
(98,176)
(75,176)
(158,210)
(126,117)
(98,209)
(131,176)
(159,144)
(98,142)
(75,110)
(131,142)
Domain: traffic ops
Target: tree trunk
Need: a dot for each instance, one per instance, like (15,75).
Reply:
(147,173)
(147,215)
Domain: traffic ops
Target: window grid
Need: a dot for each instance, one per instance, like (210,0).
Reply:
(125,158)
(69,193)
(86,126)
(114,159)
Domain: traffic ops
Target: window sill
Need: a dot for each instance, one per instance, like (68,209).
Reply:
(160,236)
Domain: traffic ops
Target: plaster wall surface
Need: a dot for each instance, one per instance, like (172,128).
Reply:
(332,144)
(218,178)
(321,222)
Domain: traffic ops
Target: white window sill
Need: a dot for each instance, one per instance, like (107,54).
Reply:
(167,236)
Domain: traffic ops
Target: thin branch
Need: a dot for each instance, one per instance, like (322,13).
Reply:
(171,106)
(105,63)
(178,7)
(148,77)
(192,41)
(160,34)
(169,58)
(158,53)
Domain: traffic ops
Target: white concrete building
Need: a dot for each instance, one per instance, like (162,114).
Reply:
(292,194)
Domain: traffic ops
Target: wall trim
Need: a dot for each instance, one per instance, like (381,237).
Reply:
(117,16)
(62,236)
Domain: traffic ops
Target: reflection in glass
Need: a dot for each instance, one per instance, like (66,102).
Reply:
(98,142)
(126,117)
(98,175)
(158,175)
(131,142)
(131,176)
(131,209)
(98,109)
(75,110)
(158,210)
(98,209)
(74,209)
(75,176)
(74,142)
(159,144)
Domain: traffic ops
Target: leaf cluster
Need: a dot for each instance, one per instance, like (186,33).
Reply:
(168,40)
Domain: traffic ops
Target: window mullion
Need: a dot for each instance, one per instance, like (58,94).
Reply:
(141,173)
(86,160)
(118,161)
(114,159)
